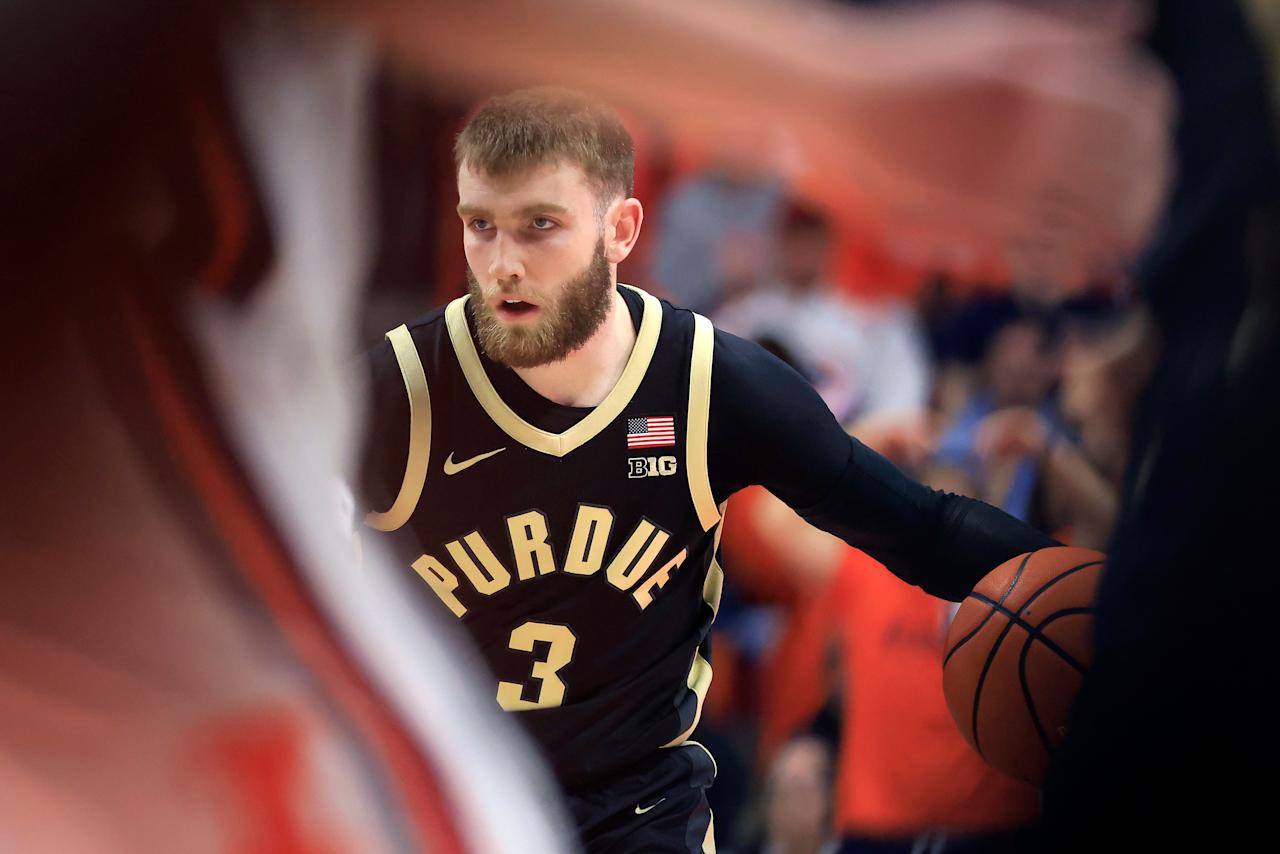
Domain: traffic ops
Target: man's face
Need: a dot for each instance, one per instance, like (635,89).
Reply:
(805,253)
(798,795)
(539,280)
(1018,368)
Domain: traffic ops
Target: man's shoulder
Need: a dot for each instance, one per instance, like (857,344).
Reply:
(749,373)
(423,329)
(674,317)
(430,324)
(741,352)
(734,352)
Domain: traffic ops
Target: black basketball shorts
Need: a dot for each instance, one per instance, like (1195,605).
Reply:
(658,806)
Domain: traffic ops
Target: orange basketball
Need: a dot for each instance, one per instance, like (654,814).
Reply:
(1016,654)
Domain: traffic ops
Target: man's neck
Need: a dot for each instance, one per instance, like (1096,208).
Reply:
(586,376)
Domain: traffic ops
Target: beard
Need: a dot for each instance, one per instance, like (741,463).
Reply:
(566,324)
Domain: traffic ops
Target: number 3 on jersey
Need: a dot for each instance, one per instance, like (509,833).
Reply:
(560,653)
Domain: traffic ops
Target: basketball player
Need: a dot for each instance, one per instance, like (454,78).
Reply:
(189,665)
(553,452)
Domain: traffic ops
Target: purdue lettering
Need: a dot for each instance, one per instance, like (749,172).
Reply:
(527,534)
(626,569)
(590,537)
(644,593)
(441,580)
(493,577)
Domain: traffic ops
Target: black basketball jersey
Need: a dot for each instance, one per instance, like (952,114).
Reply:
(583,563)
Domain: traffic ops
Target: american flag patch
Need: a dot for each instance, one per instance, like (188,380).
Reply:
(651,432)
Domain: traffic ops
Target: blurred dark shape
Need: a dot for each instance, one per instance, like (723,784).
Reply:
(733,772)
(414,195)
(84,82)
(1171,745)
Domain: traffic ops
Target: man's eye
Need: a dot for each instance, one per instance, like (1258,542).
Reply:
(542,223)
(480,225)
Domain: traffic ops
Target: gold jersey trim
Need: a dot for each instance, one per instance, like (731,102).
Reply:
(415,470)
(715,767)
(713,586)
(699,678)
(708,838)
(555,444)
(699,417)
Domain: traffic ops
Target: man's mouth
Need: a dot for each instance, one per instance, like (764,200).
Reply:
(514,309)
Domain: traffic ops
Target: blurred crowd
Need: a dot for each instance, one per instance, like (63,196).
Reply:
(826,714)
(828,699)
(828,670)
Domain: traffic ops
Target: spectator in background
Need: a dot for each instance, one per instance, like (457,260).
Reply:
(718,226)
(871,647)
(1018,372)
(907,781)
(1104,366)
(870,654)
(960,329)
(865,360)
(797,800)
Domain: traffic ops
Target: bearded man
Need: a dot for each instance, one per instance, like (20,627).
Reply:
(551,454)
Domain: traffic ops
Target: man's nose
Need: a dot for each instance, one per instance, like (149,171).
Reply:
(506,265)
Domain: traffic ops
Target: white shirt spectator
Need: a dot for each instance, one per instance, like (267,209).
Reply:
(863,358)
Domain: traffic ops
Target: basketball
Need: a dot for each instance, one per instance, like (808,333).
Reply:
(1017,652)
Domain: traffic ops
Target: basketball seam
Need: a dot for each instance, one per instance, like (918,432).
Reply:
(1026,695)
(991,654)
(982,678)
(1038,634)
(1035,632)
(1012,584)
(986,600)
(1052,581)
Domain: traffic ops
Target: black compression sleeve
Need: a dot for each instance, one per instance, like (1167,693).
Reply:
(942,542)
(769,427)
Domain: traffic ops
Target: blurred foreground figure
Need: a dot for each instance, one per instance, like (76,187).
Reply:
(1172,744)
(988,136)
(192,661)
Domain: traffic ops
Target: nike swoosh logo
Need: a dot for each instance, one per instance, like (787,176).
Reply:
(450,467)
(640,811)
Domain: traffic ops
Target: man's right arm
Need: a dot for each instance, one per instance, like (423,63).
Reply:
(769,427)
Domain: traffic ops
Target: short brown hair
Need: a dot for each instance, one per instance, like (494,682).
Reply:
(531,127)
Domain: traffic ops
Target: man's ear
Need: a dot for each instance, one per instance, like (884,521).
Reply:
(622,229)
